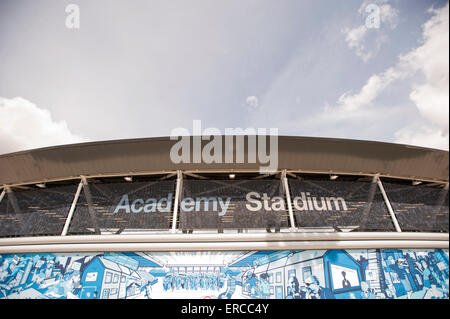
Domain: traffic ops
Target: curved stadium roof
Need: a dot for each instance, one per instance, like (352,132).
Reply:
(148,155)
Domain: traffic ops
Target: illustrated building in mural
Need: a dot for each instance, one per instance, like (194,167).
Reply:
(338,219)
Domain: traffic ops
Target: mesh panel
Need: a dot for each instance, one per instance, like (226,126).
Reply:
(119,206)
(35,212)
(419,208)
(237,215)
(357,206)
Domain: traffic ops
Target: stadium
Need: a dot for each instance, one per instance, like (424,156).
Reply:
(338,219)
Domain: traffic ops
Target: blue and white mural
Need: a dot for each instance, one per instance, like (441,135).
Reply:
(308,274)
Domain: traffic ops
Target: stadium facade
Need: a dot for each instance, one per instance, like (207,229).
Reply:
(120,220)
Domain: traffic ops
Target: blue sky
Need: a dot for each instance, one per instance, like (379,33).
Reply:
(142,68)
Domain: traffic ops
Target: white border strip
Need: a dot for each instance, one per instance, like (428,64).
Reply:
(226,237)
(222,246)
(202,242)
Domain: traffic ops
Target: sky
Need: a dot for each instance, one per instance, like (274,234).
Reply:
(79,71)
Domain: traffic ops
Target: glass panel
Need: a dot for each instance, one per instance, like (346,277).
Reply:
(119,207)
(419,208)
(339,205)
(35,211)
(238,204)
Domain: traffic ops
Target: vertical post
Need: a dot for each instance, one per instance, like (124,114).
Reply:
(13,201)
(389,207)
(177,200)
(87,193)
(72,209)
(372,190)
(2,194)
(288,199)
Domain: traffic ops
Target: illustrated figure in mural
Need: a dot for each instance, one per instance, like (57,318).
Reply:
(167,282)
(231,287)
(146,290)
(252,285)
(294,291)
(345,282)
(315,291)
(426,273)
(197,281)
(201,281)
(264,286)
(231,283)
(400,267)
(215,283)
(364,263)
(416,276)
(418,269)
(366,292)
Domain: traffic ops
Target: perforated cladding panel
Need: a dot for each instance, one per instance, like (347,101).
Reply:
(105,198)
(236,216)
(35,212)
(419,208)
(341,204)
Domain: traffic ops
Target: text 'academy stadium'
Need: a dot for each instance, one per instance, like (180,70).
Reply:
(338,219)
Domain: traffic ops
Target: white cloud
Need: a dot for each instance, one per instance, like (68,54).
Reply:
(348,103)
(389,15)
(252,101)
(23,126)
(355,41)
(424,135)
(430,96)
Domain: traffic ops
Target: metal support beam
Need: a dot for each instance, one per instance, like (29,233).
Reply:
(388,205)
(177,200)
(88,195)
(72,209)
(2,194)
(12,199)
(285,184)
(366,213)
